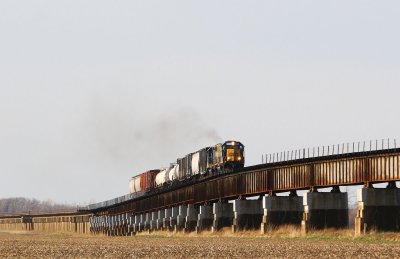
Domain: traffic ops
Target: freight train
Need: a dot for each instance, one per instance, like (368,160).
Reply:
(221,158)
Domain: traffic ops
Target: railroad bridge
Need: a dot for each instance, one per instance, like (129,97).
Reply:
(250,198)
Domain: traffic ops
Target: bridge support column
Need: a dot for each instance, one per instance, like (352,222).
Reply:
(191,218)
(99,225)
(125,224)
(93,224)
(173,219)
(167,219)
(142,222)
(324,210)
(131,225)
(247,214)
(160,219)
(118,225)
(136,224)
(106,225)
(204,218)
(147,221)
(113,225)
(109,225)
(153,221)
(281,210)
(181,217)
(378,209)
(223,216)
(121,225)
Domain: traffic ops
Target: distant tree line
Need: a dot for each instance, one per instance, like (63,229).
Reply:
(24,205)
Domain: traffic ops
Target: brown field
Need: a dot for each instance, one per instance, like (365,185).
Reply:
(285,243)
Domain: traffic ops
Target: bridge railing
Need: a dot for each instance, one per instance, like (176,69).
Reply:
(115,201)
(330,150)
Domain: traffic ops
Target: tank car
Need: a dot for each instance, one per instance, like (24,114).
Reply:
(173,173)
(162,177)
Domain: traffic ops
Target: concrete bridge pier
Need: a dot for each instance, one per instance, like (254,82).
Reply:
(130,223)
(109,225)
(247,214)
(117,225)
(147,220)
(205,218)
(173,218)
(93,224)
(325,210)
(160,219)
(136,223)
(281,210)
(223,215)
(142,222)
(98,229)
(112,226)
(167,219)
(125,224)
(153,221)
(378,209)
(191,218)
(120,225)
(97,225)
(106,225)
(181,217)
(102,225)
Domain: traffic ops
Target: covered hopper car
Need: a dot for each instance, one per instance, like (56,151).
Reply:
(143,182)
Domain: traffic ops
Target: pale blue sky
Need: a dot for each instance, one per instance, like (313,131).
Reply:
(94,92)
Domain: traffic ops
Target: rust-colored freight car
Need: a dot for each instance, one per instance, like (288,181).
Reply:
(143,182)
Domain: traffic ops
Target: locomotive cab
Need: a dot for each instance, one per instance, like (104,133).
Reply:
(233,154)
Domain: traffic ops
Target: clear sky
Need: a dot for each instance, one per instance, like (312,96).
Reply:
(94,92)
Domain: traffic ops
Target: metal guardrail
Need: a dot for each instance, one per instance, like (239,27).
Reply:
(330,150)
(115,201)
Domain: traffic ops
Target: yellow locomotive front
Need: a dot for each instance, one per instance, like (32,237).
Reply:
(233,154)
(224,157)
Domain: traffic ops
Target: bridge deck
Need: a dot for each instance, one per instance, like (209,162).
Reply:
(336,170)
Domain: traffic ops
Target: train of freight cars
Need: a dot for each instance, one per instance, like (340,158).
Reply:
(223,157)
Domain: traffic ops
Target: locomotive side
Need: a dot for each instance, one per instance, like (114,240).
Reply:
(221,158)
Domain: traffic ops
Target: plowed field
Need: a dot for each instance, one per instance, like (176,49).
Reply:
(246,245)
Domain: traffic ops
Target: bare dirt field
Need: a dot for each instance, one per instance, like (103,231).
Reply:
(327,244)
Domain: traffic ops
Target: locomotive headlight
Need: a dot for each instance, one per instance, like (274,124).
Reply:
(239,158)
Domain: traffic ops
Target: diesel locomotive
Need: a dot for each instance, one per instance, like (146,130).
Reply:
(220,158)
